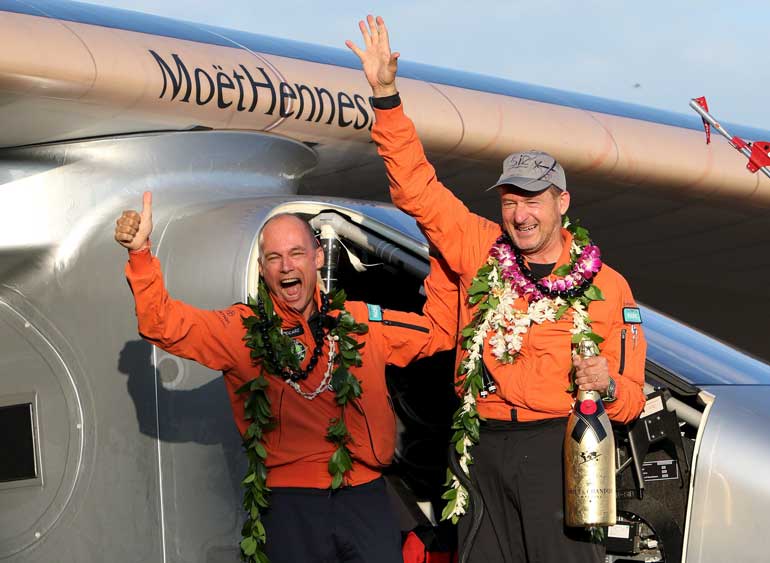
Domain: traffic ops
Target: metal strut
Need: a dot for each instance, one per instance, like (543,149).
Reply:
(758,152)
(330,242)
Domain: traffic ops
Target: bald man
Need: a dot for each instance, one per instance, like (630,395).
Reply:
(305,521)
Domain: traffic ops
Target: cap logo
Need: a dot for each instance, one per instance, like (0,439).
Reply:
(530,162)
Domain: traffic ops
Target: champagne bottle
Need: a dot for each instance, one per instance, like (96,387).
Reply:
(589,459)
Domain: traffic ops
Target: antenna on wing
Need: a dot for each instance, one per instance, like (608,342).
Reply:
(758,152)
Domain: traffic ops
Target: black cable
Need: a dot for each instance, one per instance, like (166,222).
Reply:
(488,383)
(476,507)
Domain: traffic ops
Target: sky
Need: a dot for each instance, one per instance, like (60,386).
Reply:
(653,53)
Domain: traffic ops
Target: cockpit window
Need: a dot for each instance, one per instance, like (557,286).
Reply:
(17,450)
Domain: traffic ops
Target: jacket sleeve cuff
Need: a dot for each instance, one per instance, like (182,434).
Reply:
(385,102)
(140,261)
(630,401)
(388,118)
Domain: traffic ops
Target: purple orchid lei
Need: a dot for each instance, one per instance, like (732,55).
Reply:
(585,264)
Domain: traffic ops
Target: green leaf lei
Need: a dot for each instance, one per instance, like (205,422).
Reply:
(346,386)
(466,419)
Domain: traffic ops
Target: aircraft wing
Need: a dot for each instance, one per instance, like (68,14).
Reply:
(682,220)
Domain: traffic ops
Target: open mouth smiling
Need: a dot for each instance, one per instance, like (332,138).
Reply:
(291,287)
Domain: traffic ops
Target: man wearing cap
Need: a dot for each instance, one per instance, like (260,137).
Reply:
(530,289)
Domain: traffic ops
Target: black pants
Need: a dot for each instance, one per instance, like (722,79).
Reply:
(354,524)
(518,470)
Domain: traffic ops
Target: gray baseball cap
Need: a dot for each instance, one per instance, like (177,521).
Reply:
(532,171)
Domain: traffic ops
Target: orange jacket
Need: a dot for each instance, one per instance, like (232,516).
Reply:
(536,383)
(298,453)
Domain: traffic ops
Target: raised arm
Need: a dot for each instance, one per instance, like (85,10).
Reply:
(211,338)
(458,234)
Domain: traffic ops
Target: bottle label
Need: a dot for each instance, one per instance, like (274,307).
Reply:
(587,413)
(589,465)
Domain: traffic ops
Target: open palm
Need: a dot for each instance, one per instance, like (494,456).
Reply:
(379,64)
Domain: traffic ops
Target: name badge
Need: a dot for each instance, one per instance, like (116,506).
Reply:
(294,331)
(632,315)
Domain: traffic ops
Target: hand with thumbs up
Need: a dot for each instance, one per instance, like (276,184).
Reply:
(133,229)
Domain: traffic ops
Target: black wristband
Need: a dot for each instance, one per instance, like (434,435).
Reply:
(386,102)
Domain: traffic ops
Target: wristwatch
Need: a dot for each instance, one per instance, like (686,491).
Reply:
(609,395)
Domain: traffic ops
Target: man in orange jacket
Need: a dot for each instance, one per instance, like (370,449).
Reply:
(529,289)
(305,521)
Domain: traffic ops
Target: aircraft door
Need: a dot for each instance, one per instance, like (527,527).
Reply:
(42,437)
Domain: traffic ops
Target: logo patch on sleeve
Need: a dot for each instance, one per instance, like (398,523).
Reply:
(375,312)
(632,315)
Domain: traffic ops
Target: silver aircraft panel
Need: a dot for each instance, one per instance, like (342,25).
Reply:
(696,357)
(70,342)
(729,520)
